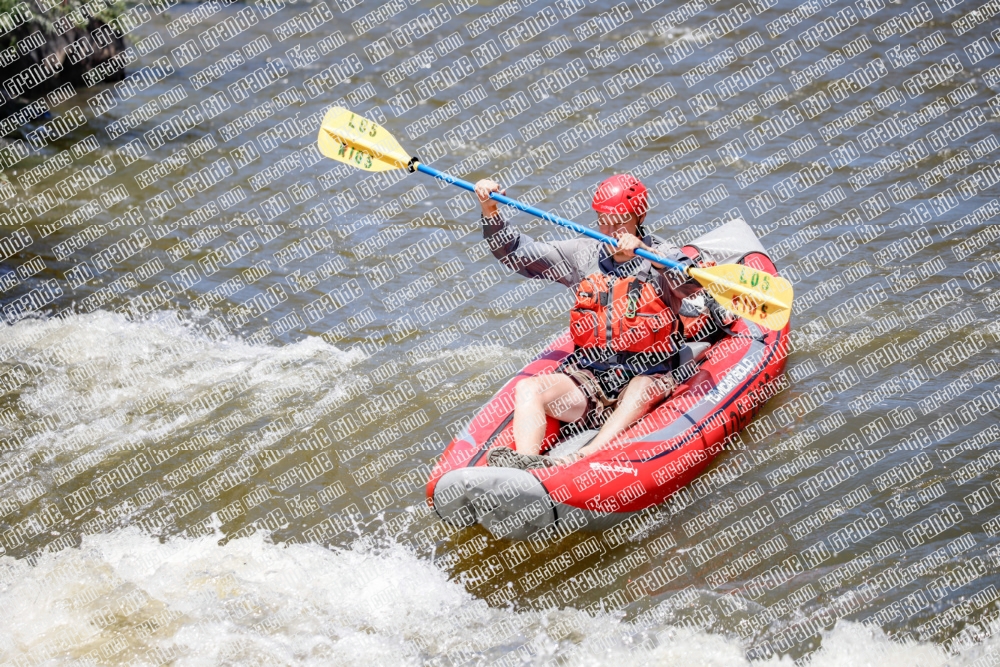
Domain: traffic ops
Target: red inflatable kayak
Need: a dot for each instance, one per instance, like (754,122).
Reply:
(646,464)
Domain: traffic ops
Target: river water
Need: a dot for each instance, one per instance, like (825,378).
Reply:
(207,461)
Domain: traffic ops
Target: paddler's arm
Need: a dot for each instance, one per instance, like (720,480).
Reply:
(629,243)
(673,283)
(559,261)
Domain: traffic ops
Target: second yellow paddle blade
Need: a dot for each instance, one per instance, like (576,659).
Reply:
(763,299)
(347,137)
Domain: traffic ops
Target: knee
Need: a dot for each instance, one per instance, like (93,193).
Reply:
(560,404)
(526,391)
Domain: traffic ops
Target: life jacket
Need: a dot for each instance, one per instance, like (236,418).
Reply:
(623,315)
(696,320)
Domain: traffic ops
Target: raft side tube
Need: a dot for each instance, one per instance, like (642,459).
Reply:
(510,503)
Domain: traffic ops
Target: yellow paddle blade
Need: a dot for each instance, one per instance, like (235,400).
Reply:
(347,137)
(763,299)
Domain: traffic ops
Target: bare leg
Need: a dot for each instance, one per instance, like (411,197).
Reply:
(641,395)
(555,395)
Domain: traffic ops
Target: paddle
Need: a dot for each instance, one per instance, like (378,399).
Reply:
(747,292)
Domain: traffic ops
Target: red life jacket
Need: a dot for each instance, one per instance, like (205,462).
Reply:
(623,314)
(695,325)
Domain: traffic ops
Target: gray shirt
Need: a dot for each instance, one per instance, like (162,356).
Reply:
(569,262)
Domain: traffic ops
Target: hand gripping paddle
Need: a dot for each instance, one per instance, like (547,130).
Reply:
(756,295)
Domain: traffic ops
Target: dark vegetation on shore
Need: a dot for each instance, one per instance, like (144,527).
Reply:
(60,38)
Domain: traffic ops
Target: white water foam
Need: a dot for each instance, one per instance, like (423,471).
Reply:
(123,379)
(100,382)
(129,598)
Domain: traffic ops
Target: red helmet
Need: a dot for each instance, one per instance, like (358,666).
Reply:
(622,193)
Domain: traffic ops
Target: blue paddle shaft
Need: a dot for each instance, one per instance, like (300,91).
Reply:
(531,210)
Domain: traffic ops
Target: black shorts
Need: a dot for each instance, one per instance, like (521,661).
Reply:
(601,388)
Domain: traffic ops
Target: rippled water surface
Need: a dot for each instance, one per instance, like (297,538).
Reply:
(204,461)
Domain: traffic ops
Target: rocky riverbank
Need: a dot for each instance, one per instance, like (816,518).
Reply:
(44,50)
